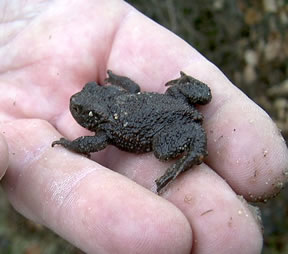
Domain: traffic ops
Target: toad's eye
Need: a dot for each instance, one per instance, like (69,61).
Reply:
(77,108)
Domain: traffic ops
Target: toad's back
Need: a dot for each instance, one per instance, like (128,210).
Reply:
(150,105)
(138,117)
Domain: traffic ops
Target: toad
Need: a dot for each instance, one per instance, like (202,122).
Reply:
(169,125)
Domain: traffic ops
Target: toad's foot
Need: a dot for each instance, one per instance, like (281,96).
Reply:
(184,163)
(189,89)
(85,144)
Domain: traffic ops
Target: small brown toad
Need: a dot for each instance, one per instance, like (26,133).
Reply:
(139,122)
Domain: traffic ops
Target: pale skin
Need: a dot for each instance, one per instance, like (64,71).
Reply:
(48,51)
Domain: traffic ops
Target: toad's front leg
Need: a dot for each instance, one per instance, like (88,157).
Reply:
(85,144)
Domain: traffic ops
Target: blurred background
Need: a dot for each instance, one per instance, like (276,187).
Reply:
(248,41)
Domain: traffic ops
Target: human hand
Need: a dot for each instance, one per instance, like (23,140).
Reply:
(49,51)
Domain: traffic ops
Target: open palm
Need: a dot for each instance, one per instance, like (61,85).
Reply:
(48,51)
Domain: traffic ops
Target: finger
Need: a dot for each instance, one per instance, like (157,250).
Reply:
(245,146)
(4,157)
(218,217)
(96,209)
(247,149)
(222,222)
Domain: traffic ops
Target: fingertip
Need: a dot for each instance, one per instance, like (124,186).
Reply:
(247,150)
(4,156)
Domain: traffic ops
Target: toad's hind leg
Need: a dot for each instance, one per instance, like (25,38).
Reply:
(124,82)
(189,89)
(194,155)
